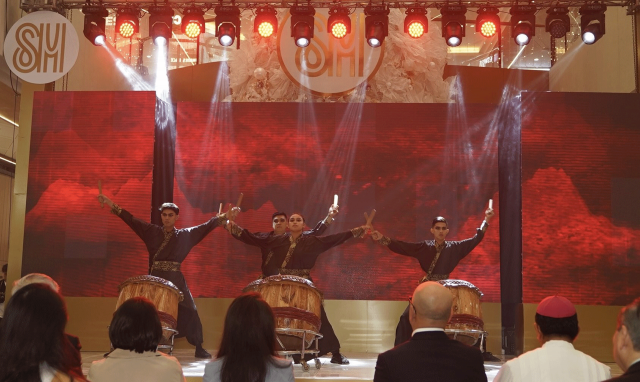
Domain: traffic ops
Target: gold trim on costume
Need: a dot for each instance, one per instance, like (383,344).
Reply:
(434,277)
(236,231)
(115,209)
(167,266)
(292,247)
(358,232)
(384,241)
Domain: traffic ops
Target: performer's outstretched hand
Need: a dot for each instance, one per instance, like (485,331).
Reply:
(376,235)
(488,214)
(229,226)
(333,211)
(104,199)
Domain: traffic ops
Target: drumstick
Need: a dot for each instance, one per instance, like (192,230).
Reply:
(239,200)
(100,192)
(370,217)
(490,204)
(220,209)
(335,199)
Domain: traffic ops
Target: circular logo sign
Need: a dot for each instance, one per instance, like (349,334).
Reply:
(328,66)
(41,47)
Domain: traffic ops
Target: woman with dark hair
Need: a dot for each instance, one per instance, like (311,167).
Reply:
(247,350)
(33,346)
(135,332)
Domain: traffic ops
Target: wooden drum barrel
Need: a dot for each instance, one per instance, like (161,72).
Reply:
(295,302)
(466,320)
(162,293)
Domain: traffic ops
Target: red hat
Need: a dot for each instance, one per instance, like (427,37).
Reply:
(556,307)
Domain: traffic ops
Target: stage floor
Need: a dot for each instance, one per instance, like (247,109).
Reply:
(361,368)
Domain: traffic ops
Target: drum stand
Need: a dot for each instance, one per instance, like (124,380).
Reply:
(466,334)
(306,334)
(170,344)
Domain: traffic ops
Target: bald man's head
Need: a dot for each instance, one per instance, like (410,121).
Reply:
(432,306)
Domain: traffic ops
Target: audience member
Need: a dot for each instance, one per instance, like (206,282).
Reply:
(33,346)
(430,355)
(626,343)
(247,350)
(556,325)
(135,332)
(3,290)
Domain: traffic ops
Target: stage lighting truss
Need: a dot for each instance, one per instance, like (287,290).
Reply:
(557,22)
(592,22)
(523,23)
(192,22)
(228,25)
(127,22)
(160,24)
(416,23)
(339,22)
(376,24)
(302,24)
(488,21)
(94,23)
(453,23)
(266,22)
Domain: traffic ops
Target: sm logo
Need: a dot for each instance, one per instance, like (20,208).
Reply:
(329,66)
(41,47)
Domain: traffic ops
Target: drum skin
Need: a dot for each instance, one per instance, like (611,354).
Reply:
(467,309)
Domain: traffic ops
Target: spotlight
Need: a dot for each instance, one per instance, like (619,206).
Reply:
(94,23)
(302,24)
(416,23)
(488,21)
(523,23)
(557,22)
(266,22)
(453,23)
(228,25)
(376,24)
(339,22)
(192,22)
(127,22)
(160,24)
(592,22)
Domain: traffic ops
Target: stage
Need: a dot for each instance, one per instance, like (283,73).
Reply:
(361,368)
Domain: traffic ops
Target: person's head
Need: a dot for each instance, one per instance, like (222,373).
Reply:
(135,326)
(296,222)
(4,271)
(626,338)
(169,213)
(279,222)
(430,306)
(556,319)
(32,332)
(35,278)
(439,228)
(248,339)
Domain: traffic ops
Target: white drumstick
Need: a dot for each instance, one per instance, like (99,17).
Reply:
(490,203)
(335,199)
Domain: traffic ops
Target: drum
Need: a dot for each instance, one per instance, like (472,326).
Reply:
(296,303)
(162,293)
(466,323)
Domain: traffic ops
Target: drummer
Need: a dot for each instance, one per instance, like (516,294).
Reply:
(168,247)
(437,258)
(295,253)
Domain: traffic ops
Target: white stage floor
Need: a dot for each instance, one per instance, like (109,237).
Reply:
(361,367)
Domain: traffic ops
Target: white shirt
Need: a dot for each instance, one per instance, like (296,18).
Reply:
(555,361)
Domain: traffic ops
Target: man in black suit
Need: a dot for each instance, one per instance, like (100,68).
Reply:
(626,343)
(430,355)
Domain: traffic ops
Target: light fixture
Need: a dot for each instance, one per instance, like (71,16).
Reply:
(523,23)
(592,22)
(557,22)
(228,25)
(453,23)
(160,24)
(94,23)
(416,23)
(488,21)
(127,22)
(302,24)
(376,24)
(339,22)
(192,22)
(266,22)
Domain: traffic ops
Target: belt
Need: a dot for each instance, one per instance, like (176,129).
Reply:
(167,266)
(434,277)
(304,273)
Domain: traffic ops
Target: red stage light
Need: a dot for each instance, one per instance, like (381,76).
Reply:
(488,29)
(339,30)
(416,23)
(127,22)
(339,22)
(266,22)
(192,30)
(488,21)
(127,29)
(416,29)
(265,29)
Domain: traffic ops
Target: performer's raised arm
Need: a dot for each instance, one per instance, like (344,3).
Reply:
(324,223)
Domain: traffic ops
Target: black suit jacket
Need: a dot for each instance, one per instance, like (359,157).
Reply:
(430,356)
(632,375)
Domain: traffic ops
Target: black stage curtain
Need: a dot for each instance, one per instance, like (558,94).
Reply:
(164,151)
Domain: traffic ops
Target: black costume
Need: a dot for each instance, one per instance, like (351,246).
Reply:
(167,250)
(436,260)
(282,255)
(631,375)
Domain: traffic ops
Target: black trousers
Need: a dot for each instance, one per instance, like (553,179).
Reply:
(329,341)
(404,329)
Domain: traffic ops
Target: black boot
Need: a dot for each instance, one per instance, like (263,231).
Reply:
(339,358)
(201,353)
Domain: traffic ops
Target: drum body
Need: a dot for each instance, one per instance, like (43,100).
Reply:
(296,303)
(162,293)
(466,321)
